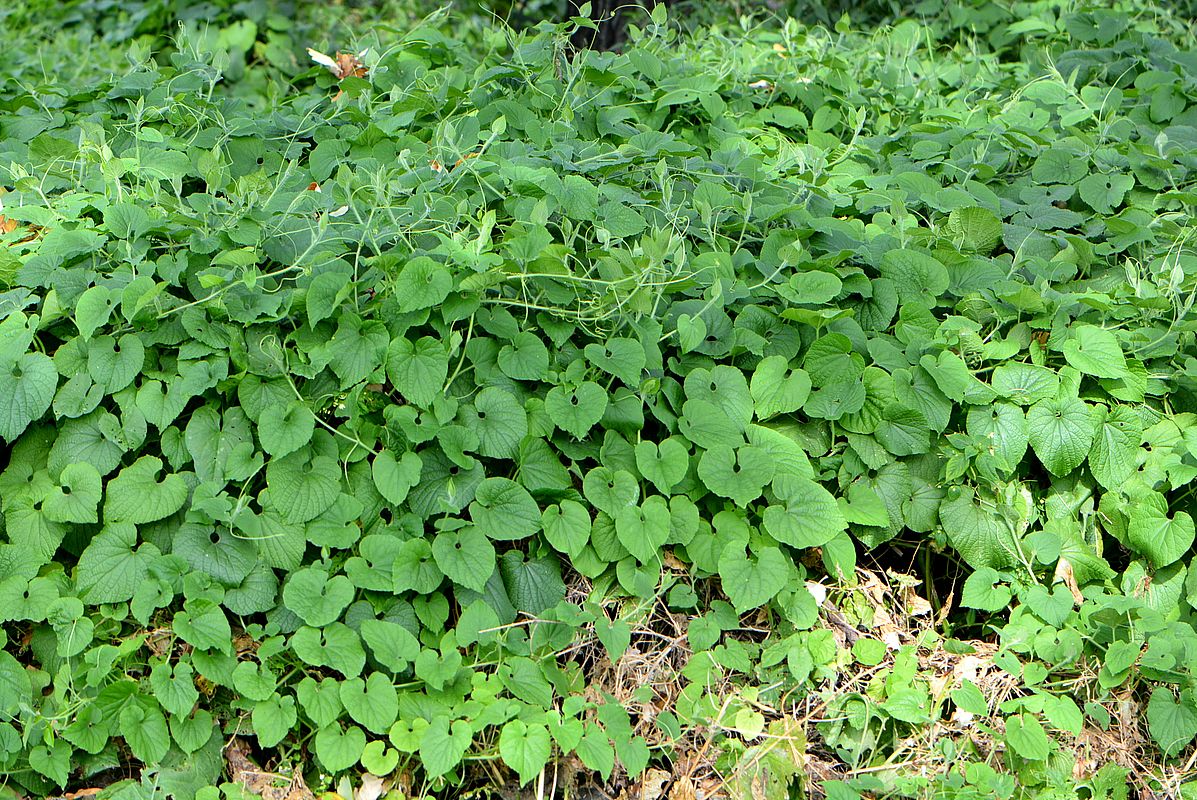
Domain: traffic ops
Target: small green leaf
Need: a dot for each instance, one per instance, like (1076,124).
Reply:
(422,283)
(285,429)
(504,511)
(466,556)
(576,410)
(983,590)
(1151,533)
(1095,351)
(393,477)
(750,581)
(372,703)
(145,731)
(623,358)
(1025,735)
(1061,433)
(1172,720)
(566,527)
(77,497)
(643,530)
(776,389)
(1104,193)
(27,384)
(315,597)
(418,369)
(339,749)
(137,495)
(442,746)
(975,229)
(525,748)
(273,719)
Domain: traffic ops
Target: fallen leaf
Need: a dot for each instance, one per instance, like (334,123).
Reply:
(372,788)
(916,604)
(683,789)
(1065,575)
(652,785)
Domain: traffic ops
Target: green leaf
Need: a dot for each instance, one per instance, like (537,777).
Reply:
(422,283)
(335,646)
(137,495)
(750,581)
(1172,720)
(1095,351)
(1115,451)
(595,751)
(1004,427)
(1025,735)
(918,278)
(810,517)
(525,748)
(1025,384)
(273,719)
(533,585)
(1061,433)
(174,687)
(114,363)
(623,358)
(983,590)
(145,731)
(643,530)
(92,310)
(1151,533)
(326,291)
(113,566)
(442,746)
(576,410)
(504,511)
(566,527)
(392,645)
(466,556)
(315,597)
(1104,193)
(285,429)
(378,759)
(372,703)
(1058,166)
(415,569)
(979,532)
(664,464)
(27,384)
(77,497)
(777,389)
(610,490)
(499,421)
(975,229)
(338,749)
(202,624)
(303,485)
(393,477)
(418,369)
(739,475)
(524,358)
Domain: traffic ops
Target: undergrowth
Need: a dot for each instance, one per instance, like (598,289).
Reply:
(762,410)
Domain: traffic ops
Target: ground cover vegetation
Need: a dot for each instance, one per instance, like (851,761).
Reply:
(764,410)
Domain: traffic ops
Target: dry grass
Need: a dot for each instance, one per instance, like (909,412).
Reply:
(886,606)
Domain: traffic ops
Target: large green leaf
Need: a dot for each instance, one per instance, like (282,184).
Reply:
(1152,533)
(1061,431)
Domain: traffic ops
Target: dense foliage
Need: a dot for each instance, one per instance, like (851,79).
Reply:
(494,412)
